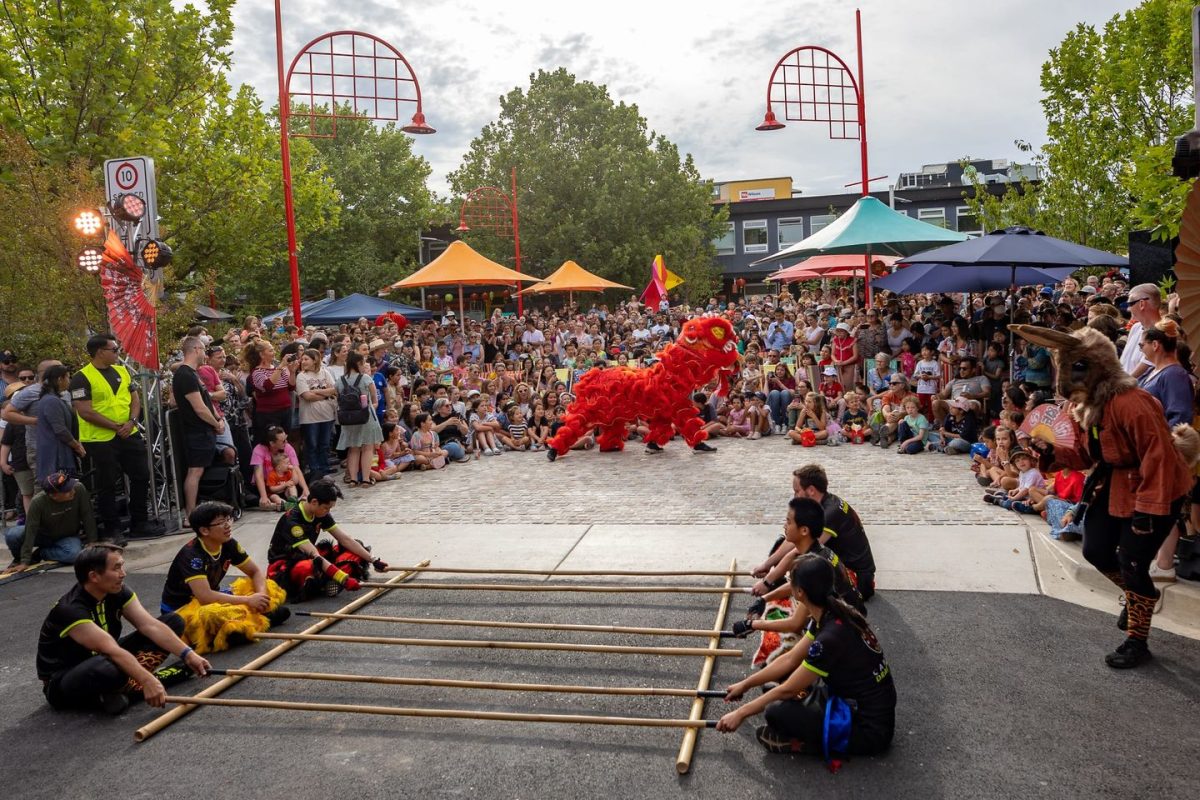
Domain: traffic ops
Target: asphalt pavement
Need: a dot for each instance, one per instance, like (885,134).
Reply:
(1001,695)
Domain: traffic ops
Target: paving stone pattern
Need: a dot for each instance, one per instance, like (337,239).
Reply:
(745,482)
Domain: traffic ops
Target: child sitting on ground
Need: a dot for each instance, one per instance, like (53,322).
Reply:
(482,435)
(539,425)
(1028,479)
(759,414)
(854,420)
(281,483)
(913,427)
(739,418)
(813,418)
(1058,505)
(394,454)
(518,437)
(1000,473)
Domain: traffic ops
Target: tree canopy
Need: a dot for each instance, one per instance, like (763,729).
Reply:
(1115,99)
(594,185)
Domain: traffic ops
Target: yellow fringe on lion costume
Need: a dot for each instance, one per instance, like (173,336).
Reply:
(209,626)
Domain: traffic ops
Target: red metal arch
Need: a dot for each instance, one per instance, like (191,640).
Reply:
(813,84)
(487,208)
(351,75)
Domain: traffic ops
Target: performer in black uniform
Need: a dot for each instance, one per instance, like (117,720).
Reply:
(82,659)
(853,709)
(843,534)
(304,566)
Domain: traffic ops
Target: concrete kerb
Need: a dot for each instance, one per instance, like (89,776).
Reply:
(1065,575)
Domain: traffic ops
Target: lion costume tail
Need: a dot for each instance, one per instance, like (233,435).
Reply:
(208,627)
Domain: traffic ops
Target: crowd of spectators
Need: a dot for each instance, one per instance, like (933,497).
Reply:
(370,402)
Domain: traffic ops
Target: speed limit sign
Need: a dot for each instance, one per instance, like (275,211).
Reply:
(134,175)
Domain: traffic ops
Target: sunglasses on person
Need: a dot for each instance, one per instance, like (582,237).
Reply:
(25,378)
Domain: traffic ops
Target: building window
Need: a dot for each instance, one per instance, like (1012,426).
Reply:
(934,216)
(791,230)
(727,244)
(968,223)
(820,221)
(754,236)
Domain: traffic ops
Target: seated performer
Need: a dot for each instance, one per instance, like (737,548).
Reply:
(302,565)
(81,659)
(843,534)
(193,587)
(853,710)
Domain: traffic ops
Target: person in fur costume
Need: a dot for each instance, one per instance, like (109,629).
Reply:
(1140,478)
(215,619)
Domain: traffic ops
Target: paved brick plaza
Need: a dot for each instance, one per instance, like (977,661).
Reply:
(744,483)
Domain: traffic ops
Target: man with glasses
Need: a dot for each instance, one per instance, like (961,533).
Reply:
(966,384)
(108,407)
(1144,305)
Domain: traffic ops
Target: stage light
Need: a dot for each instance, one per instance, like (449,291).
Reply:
(90,258)
(88,223)
(128,207)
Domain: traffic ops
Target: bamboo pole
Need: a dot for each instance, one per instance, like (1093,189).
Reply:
(637,691)
(146,731)
(583,719)
(576,572)
(536,626)
(683,762)
(488,644)
(563,587)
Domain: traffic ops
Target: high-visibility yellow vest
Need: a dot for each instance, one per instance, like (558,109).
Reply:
(105,402)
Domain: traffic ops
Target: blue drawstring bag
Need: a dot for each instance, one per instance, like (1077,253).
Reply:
(837,728)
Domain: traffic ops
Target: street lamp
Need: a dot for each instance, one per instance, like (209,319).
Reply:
(341,75)
(495,210)
(814,84)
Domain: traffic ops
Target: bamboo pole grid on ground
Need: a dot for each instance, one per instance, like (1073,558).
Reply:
(691,725)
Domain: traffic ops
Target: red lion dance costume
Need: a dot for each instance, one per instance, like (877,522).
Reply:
(661,395)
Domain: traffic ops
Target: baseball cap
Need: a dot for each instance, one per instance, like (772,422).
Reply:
(830,371)
(473,393)
(1089,289)
(1018,452)
(58,482)
(841,326)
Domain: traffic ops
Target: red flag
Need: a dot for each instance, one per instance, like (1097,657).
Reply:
(656,290)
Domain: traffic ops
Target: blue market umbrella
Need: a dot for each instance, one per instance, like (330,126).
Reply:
(1017,247)
(931,278)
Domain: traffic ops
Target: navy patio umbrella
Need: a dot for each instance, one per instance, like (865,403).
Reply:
(933,278)
(1017,246)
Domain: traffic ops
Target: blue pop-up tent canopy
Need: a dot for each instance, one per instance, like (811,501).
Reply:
(351,307)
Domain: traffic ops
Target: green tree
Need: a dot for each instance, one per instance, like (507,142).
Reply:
(1114,100)
(595,185)
(86,80)
(46,305)
(385,203)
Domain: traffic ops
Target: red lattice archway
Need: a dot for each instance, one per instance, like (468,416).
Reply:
(350,75)
(814,85)
(487,208)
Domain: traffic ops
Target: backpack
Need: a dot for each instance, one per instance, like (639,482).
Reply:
(351,410)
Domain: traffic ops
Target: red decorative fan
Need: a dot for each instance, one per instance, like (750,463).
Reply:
(131,315)
(1052,424)
(1187,267)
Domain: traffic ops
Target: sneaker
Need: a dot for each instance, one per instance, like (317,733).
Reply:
(756,435)
(114,704)
(536,448)
(774,742)
(704,447)
(487,451)
(991,498)
(173,675)
(1132,653)
(551,454)
(652,448)
(278,616)
(1162,575)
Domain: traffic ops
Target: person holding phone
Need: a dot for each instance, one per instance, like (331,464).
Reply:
(272,383)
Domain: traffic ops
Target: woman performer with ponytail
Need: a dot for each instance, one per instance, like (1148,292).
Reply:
(853,710)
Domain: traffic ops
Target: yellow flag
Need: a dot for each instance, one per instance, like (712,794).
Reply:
(669,279)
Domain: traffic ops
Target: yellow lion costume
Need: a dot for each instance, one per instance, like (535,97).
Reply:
(209,626)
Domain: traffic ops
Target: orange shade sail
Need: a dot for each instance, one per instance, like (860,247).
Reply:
(460,265)
(571,277)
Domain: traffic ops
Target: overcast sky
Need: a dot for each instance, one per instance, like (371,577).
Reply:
(944,78)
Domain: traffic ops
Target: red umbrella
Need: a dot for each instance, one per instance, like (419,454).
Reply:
(391,316)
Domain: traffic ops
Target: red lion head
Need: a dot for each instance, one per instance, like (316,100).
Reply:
(712,339)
